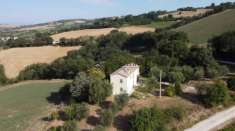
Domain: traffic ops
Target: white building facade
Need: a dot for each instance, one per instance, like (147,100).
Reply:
(125,79)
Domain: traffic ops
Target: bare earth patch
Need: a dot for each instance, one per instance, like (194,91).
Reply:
(99,32)
(16,59)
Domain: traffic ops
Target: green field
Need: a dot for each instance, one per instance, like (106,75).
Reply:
(200,31)
(161,24)
(21,104)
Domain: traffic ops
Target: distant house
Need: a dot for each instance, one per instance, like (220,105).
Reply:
(124,80)
(8,38)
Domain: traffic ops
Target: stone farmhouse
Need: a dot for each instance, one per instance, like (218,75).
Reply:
(125,79)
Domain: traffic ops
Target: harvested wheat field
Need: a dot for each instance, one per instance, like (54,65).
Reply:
(16,59)
(99,32)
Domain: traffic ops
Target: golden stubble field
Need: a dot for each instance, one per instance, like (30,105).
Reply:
(99,32)
(16,59)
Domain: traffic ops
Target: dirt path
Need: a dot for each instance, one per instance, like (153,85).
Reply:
(214,122)
(3,88)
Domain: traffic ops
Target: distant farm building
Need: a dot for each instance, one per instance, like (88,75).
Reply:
(124,80)
(8,38)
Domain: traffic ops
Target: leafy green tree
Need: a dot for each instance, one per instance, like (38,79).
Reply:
(175,76)
(215,95)
(79,88)
(97,73)
(224,46)
(3,78)
(99,90)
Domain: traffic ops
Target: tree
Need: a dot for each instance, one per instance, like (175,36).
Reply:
(147,119)
(224,46)
(90,89)
(96,72)
(215,94)
(106,117)
(175,76)
(99,90)
(3,78)
(79,88)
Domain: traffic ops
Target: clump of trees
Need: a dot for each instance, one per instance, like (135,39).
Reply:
(224,46)
(92,90)
(40,39)
(215,94)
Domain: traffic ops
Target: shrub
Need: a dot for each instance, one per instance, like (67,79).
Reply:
(121,100)
(55,116)
(147,119)
(215,94)
(99,128)
(231,83)
(170,91)
(68,126)
(175,113)
(76,111)
(106,117)
(178,89)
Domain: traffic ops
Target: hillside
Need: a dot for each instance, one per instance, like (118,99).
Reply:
(16,59)
(99,32)
(202,30)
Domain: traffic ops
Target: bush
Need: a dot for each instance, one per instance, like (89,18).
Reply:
(231,83)
(76,111)
(175,112)
(215,94)
(121,100)
(68,126)
(170,91)
(178,89)
(106,117)
(148,119)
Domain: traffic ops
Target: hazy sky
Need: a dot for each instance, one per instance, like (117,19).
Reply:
(37,11)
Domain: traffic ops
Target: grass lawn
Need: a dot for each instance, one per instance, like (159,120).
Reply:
(161,24)
(20,105)
(202,30)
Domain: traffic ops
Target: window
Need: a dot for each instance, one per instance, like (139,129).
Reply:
(121,89)
(121,80)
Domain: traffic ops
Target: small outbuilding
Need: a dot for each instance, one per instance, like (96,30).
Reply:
(125,79)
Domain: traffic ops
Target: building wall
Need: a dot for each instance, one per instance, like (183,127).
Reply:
(117,84)
(127,85)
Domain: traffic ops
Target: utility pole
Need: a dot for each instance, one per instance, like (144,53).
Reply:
(160,93)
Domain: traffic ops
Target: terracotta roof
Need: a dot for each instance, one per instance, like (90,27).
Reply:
(126,70)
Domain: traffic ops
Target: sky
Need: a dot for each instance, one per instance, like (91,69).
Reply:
(22,12)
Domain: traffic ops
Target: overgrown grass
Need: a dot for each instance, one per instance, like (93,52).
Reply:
(22,104)
(200,31)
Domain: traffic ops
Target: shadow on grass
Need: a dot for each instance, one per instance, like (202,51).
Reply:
(121,122)
(92,120)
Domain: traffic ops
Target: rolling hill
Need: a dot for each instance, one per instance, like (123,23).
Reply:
(201,30)
(16,59)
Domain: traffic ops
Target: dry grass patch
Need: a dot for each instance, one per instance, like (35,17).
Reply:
(16,59)
(99,32)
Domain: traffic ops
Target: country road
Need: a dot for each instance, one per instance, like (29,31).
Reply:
(215,121)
